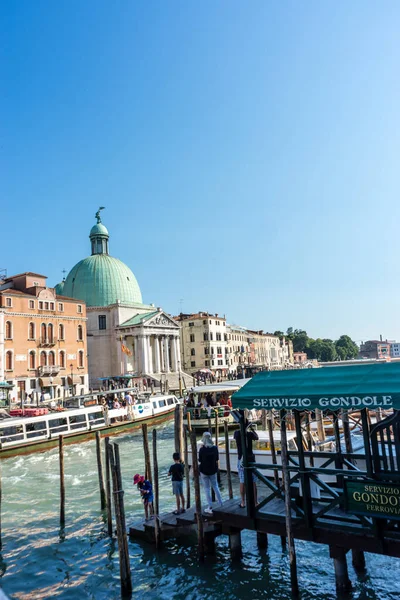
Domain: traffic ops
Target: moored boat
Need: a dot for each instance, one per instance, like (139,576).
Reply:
(24,435)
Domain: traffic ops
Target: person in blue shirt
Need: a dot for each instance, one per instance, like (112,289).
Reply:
(146,491)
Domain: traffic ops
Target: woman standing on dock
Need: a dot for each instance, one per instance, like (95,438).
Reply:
(208,466)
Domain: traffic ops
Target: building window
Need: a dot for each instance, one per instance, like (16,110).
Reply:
(46,306)
(82,381)
(211,336)
(32,383)
(62,359)
(218,337)
(192,337)
(80,333)
(220,362)
(50,333)
(206,350)
(61,331)
(9,330)
(192,352)
(80,358)
(43,359)
(212,362)
(51,359)
(32,360)
(191,324)
(207,363)
(52,307)
(9,360)
(31,331)
(31,304)
(102,322)
(204,322)
(210,322)
(205,337)
(40,305)
(61,307)
(79,308)
(8,302)
(212,350)
(219,350)
(193,363)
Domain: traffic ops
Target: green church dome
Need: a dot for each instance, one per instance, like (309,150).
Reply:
(99,229)
(100,279)
(59,288)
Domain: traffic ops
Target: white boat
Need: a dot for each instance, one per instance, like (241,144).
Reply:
(23,435)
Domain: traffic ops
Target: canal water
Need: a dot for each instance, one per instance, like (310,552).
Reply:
(36,562)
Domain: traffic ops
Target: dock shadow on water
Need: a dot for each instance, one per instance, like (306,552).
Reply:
(39,560)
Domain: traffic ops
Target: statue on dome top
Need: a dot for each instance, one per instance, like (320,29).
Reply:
(97,215)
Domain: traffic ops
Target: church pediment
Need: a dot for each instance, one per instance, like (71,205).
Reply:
(161,320)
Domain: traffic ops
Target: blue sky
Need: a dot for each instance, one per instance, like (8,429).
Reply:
(247,153)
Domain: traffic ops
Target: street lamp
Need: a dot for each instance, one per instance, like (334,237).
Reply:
(51,388)
(71,366)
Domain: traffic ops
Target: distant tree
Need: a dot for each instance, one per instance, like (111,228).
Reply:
(346,348)
(289,333)
(280,334)
(300,340)
(323,350)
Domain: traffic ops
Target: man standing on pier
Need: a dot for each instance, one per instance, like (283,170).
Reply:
(251,435)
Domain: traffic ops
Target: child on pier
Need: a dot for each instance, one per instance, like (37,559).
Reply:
(146,491)
(177,471)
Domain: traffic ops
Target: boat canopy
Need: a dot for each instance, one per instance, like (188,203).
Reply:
(225,386)
(359,386)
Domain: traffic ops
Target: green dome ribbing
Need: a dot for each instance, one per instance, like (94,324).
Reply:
(100,280)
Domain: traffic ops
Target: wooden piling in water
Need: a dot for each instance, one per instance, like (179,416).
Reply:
(358,560)
(197,495)
(147,464)
(262,540)
(124,563)
(156,491)
(264,419)
(288,507)
(178,429)
(228,461)
(187,471)
(62,482)
(235,544)
(108,487)
(103,500)
(343,583)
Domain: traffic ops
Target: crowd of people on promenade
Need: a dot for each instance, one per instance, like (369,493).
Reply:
(208,402)
(208,460)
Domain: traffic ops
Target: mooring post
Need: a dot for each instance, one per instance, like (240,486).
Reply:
(108,487)
(272,445)
(124,564)
(228,460)
(187,471)
(358,560)
(343,583)
(319,416)
(147,465)
(103,500)
(288,507)
(156,491)
(235,544)
(199,518)
(264,419)
(262,540)
(62,483)
(216,439)
(178,429)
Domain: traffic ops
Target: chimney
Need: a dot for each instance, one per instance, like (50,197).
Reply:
(381,337)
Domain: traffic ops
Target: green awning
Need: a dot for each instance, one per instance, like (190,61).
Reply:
(328,388)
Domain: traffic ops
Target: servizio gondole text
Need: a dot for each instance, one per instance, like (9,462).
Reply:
(323,403)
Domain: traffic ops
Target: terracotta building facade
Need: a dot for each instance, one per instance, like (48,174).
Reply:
(42,339)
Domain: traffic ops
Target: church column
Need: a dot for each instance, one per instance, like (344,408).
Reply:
(135,355)
(157,354)
(150,353)
(174,366)
(161,344)
(166,353)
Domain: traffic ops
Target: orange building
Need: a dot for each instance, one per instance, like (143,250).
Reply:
(42,339)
